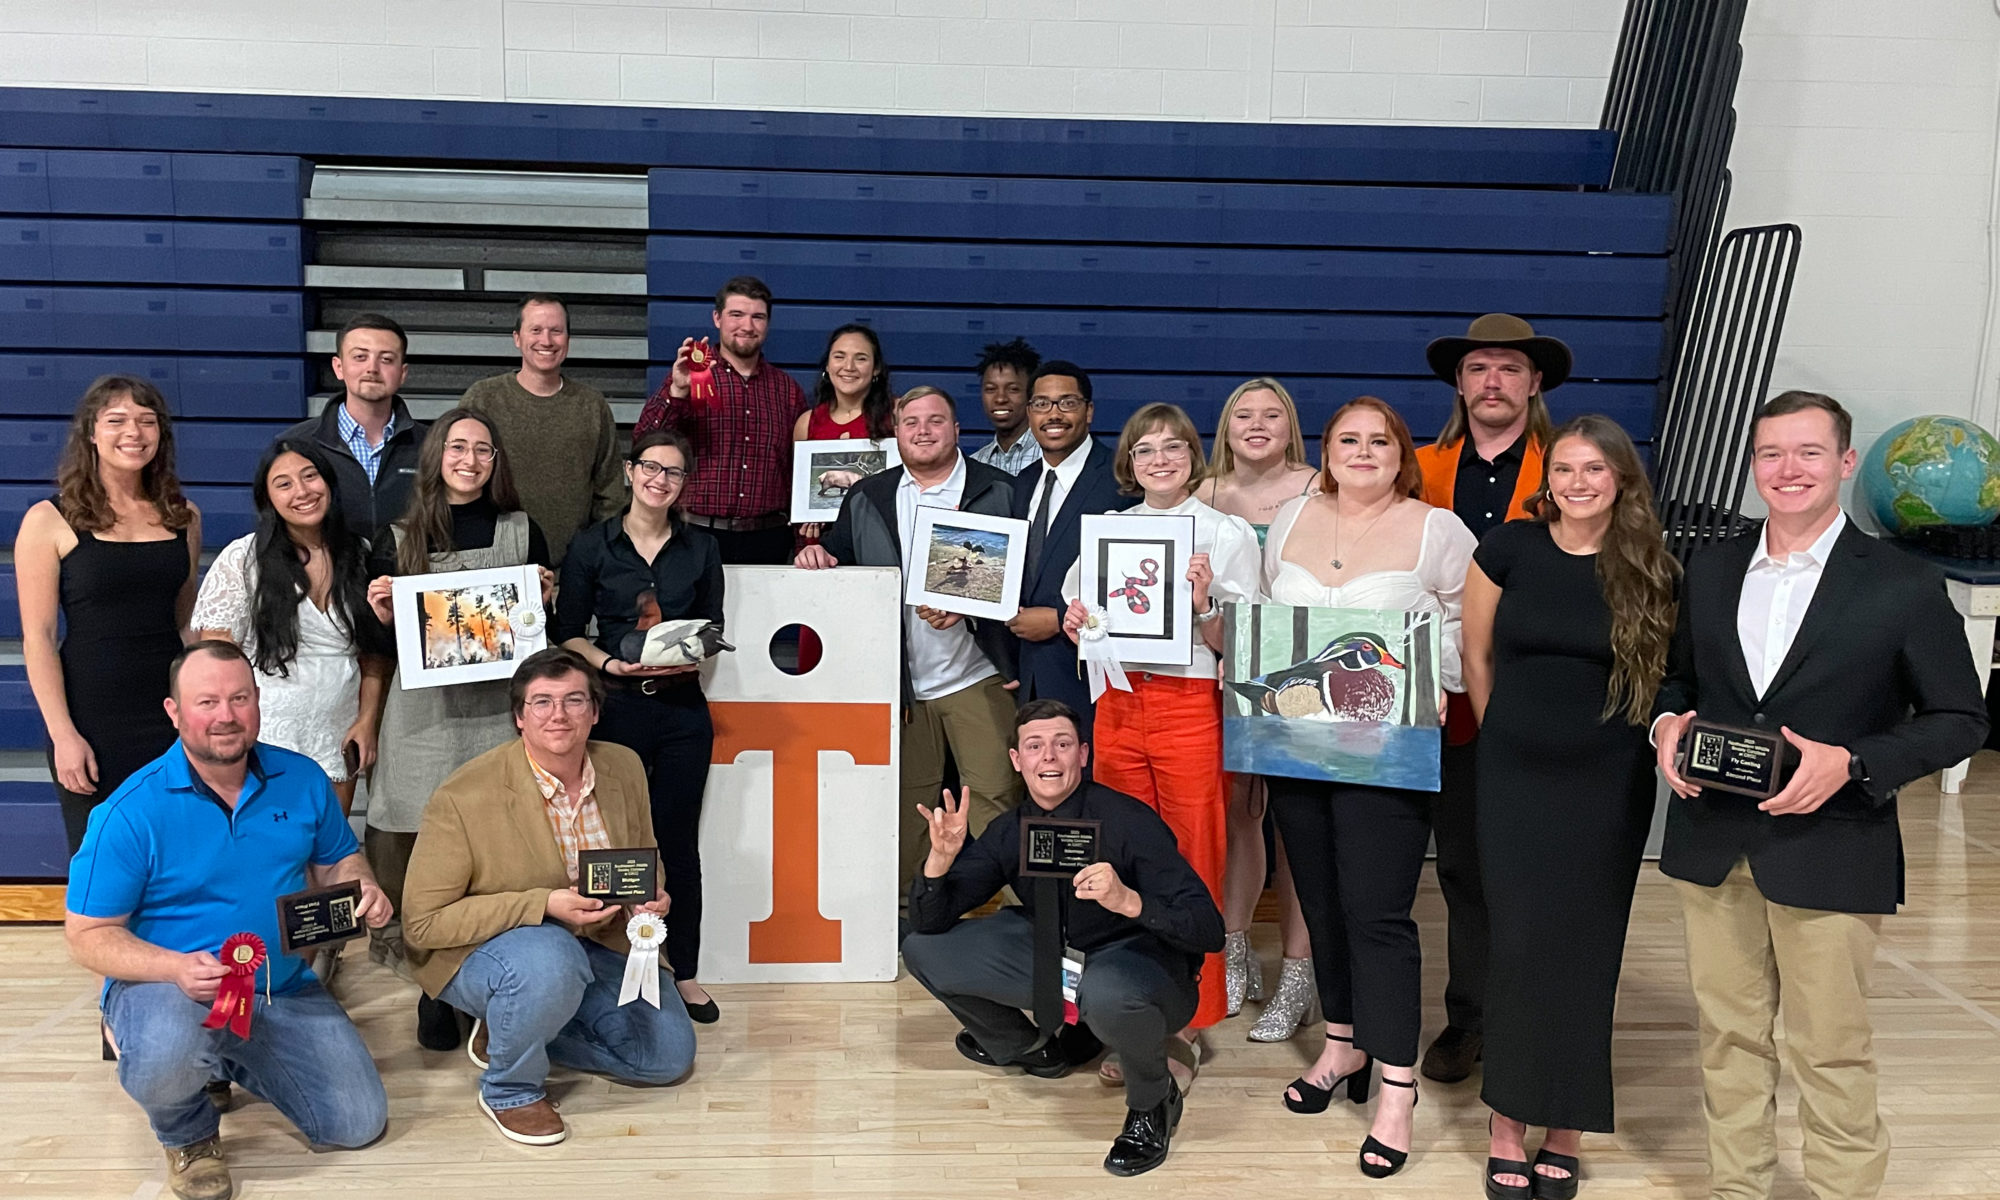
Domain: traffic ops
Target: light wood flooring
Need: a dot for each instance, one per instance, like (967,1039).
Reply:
(855,1090)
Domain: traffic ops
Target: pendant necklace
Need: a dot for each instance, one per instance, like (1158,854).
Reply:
(1337,564)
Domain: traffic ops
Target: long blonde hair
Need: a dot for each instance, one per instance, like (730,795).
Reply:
(1224,462)
(1634,570)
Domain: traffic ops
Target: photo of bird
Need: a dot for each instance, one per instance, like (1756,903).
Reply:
(1343,682)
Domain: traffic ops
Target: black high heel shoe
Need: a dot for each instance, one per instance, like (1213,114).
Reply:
(1395,1158)
(1314,1099)
(1549,1187)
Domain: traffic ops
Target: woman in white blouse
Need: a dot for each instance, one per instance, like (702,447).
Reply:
(294,595)
(1365,542)
(1162,741)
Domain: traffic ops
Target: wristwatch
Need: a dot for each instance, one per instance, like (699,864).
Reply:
(1208,614)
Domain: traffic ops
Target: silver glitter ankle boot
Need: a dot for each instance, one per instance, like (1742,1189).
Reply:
(1295,1005)
(1242,971)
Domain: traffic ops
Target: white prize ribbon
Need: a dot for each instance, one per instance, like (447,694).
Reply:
(1093,645)
(527,618)
(642,966)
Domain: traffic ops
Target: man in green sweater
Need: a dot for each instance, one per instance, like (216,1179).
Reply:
(552,427)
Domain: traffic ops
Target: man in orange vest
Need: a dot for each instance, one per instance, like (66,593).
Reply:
(1485,464)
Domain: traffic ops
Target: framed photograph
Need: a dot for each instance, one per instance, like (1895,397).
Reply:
(822,473)
(1134,569)
(967,563)
(467,626)
(1349,695)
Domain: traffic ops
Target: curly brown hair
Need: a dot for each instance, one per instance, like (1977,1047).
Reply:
(80,494)
(1634,570)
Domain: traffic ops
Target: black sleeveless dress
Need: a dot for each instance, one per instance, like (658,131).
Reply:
(1565,801)
(118,603)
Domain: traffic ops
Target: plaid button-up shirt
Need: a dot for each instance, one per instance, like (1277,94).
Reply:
(742,439)
(576,823)
(351,432)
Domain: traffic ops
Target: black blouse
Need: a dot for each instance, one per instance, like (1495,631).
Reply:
(604,577)
(472,528)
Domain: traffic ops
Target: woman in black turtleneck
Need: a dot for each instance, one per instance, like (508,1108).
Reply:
(464,515)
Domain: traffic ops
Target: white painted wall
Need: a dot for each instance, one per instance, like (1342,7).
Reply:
(1871,123)
(1515,62)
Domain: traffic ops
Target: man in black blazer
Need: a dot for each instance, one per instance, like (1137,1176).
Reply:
(958,673)
(1073,478)
(1850,649)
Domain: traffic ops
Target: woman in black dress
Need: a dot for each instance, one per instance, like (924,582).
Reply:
(1567,618)
(112,555)
(631,572)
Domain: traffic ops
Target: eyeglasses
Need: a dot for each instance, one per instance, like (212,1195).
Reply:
(1068,404)
(649,469)
(1175,449)
(575,704)
(480,451)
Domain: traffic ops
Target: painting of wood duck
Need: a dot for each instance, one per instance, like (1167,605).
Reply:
(1345,681)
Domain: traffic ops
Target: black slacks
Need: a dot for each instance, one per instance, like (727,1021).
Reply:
(1454,823)
(1134,994)
(1356,855)
(671,733)
(754,548)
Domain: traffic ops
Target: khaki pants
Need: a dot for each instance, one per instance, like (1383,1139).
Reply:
(975,723)
(1747,957)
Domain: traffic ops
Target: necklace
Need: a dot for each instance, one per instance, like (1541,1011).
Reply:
(1337,564)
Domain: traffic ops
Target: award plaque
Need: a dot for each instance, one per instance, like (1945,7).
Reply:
(1056,847)
(619,876)
(1729,758)
(319,917)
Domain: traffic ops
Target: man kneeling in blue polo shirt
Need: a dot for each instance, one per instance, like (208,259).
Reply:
(196,846)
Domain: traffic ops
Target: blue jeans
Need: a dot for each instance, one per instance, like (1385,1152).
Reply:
(303,1055)
(546,996)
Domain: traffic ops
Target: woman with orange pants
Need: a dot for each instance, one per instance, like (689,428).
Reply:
(1161,742)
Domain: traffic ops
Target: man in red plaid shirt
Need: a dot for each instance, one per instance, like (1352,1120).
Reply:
(740,489)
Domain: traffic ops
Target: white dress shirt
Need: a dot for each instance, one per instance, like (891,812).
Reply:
(942,661)
(1065,475)
(1233,556)
(1776,594)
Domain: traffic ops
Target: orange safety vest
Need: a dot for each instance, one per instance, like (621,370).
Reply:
(1439,464)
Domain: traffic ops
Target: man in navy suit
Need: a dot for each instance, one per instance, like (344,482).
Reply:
(1073,478)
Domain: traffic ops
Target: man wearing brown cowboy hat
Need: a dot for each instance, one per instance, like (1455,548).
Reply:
(1485,464)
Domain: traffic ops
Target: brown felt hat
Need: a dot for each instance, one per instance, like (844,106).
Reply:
(1506,332)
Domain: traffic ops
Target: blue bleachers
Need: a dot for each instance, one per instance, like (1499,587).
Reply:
(194,385)
(110,182)
(220,452)
(35,846)
(1170,277)
(325,127)
(20,720)
(74,250)
(97,318)
(1112,210)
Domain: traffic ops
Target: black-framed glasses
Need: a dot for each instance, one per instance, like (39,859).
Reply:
(1068,404)
(649,469)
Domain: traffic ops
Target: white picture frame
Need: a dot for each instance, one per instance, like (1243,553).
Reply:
(1134,570)
(966,562)
(813,498)
(500,622)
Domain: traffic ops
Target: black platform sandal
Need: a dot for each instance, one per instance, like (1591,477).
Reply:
(1314,1099)
(1495,1190)
(1549,1187)
(1395,1158)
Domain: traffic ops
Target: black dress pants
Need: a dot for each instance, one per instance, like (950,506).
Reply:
(1356,855)
(1134,994)
(754,547)
(1454,823)
(671,733)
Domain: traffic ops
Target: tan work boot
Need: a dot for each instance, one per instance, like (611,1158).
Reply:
(199,1172)
(536,1124)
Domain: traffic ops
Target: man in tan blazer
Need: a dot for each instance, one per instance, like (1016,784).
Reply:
(495,926)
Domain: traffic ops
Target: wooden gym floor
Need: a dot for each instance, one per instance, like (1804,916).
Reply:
(855,1090)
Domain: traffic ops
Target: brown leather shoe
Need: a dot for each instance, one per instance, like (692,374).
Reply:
(536,1124)
(199,1172)
(1451,1057)
(475,1046)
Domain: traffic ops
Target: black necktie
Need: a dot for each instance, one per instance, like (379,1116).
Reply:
(1047,973)
(1038,525)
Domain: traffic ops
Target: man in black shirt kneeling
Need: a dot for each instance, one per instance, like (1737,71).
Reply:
(1138,914)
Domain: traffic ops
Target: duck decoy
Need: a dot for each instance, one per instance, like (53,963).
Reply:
(1343,682)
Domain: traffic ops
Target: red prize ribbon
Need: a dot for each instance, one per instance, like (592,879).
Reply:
(701,373)
(242,954)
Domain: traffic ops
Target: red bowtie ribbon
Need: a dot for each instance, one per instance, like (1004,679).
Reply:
(242,954)
(701,373)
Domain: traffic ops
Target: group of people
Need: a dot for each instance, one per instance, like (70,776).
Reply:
(1574,652)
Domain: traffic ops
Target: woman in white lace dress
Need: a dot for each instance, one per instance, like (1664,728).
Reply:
(294,595)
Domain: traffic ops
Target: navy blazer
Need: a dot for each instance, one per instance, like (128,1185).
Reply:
(1049,669)
(1879,666)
